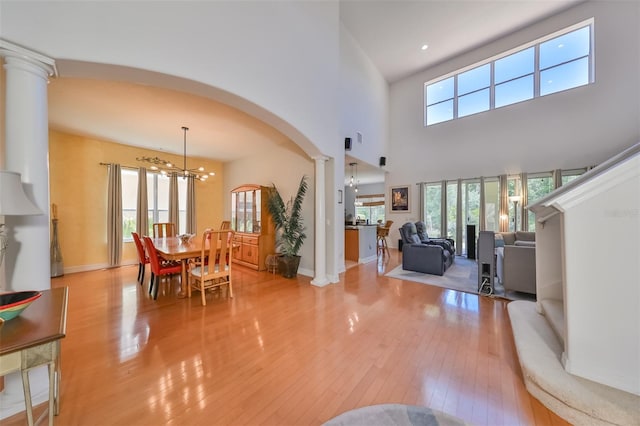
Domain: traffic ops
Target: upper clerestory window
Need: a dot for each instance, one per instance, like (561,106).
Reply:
(560,61)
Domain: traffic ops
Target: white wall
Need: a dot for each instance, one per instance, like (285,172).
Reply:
(575,128)
(364,98)
(280,56)
(277,60)
(291,166)
(602,288)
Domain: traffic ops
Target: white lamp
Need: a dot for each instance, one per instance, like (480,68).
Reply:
(13,202)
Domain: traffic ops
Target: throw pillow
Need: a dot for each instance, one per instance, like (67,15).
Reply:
(499,240)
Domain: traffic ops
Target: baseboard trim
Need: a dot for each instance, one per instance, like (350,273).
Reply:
(96,267)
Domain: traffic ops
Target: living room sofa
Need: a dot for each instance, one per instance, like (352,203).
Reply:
(516,260)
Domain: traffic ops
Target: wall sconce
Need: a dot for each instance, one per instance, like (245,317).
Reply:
(13,202)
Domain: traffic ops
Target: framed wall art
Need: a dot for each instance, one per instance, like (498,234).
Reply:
(400,199)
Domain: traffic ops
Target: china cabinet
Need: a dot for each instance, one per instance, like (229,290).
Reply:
(254,228)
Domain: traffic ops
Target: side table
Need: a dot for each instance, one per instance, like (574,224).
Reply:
(33,339)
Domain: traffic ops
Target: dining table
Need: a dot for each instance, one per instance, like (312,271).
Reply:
(176,249)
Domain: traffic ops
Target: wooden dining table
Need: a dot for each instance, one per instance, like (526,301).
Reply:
(173,248)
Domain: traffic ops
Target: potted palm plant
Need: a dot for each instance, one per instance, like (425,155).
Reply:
(289,228)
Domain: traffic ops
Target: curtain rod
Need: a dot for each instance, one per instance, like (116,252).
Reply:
(124,167)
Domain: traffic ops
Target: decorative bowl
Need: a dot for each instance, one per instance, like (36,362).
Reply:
(186,238)
(12,304)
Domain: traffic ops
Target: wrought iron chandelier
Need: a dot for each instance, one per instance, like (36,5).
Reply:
(167,168)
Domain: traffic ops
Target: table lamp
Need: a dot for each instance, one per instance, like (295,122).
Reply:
(13,202)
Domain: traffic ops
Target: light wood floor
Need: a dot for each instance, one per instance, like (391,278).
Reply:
(283,352)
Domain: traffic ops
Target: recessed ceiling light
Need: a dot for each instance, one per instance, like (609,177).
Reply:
(424,47)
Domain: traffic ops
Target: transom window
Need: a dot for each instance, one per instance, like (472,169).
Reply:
(560,61)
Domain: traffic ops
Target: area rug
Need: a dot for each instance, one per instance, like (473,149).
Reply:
(395,415)
(462,275)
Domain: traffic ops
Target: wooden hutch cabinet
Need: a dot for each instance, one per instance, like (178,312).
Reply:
(254,228)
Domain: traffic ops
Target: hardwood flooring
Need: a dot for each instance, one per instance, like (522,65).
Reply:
(283,352)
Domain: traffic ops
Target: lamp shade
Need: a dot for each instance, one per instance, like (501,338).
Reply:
(13,200)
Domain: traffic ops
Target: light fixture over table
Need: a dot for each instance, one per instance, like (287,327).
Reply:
(166,167)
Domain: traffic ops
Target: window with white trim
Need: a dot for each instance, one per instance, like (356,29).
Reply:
(560,61)
(157,199)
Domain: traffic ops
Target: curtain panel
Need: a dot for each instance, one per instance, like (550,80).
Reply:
(459,218)
(504,203)
(142,207)
(114,215)
(174,211)
(524,200)
(191,205)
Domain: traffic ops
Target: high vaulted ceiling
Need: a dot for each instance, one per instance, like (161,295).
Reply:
(390,32)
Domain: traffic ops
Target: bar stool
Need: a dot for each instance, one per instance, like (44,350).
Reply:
(381,237)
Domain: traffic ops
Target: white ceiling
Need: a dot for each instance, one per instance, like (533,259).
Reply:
(390,33)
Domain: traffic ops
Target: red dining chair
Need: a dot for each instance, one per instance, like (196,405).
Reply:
(159,267)
(143,259)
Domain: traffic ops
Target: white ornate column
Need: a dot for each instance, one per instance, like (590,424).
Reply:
(27,152)
(320,279)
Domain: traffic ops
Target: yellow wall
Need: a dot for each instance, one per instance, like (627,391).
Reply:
(79,189)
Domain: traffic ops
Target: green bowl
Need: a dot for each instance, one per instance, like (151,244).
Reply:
(12,304)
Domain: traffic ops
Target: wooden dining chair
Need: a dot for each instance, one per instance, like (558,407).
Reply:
(165,229)
(381,237)
(226,224)
(159,267)
(143,259)
(217,247)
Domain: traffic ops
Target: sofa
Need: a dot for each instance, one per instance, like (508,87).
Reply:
(428,258)
(516,260)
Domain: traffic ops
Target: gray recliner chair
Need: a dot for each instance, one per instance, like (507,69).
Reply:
(445,243)
(426,258)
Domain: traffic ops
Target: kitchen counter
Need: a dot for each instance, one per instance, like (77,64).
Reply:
(360,243)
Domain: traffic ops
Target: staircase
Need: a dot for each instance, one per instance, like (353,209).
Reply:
(579,344)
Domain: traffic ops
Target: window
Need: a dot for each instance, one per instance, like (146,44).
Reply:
(473,90)
(548,65)
(370,207)
(129,202)
(492,204)
(157,199)
(440,101)
(514,78)
(564,61)
(433,209)
(569,175)
(538,185)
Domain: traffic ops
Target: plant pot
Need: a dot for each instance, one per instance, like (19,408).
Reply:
(288,265)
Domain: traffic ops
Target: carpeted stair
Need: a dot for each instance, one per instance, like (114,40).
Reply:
(577,400)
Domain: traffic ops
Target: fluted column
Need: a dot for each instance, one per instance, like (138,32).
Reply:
(320,277)
(26,152)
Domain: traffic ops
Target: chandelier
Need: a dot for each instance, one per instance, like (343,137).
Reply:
(353,181)
(167,168)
